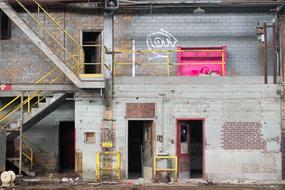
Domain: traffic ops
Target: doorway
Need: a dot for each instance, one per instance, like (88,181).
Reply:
(140,148)
(91,42)
(190,148)
(66,146)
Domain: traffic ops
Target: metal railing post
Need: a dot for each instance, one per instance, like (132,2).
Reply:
(21,134)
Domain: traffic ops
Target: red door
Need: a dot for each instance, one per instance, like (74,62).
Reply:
(183,148)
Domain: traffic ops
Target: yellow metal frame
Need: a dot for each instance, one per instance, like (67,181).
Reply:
(168,62)
(82,65)
(155,169)
(117,169)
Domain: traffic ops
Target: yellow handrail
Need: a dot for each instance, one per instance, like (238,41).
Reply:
(12,101)
(55,22)
(167,56)
(77,61)
(19,106)
(30,157)
(34,145)
(78,58)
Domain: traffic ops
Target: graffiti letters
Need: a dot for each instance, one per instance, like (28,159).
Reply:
(160,40)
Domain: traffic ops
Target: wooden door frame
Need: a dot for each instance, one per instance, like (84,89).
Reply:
(127,139)
(203,142)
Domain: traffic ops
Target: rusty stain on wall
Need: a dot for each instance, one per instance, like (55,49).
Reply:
(78,162)
(140,110)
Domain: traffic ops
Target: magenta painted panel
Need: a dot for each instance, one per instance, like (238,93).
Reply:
(195,61)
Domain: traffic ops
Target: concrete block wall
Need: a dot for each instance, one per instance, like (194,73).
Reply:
(236,30)
(45,138)
(88,118)
(238,100)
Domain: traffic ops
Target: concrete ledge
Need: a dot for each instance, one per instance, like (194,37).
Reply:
(208,80)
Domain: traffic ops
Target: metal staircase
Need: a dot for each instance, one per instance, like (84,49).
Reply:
(15,123)
(37,113)
(25,110)
(71,66)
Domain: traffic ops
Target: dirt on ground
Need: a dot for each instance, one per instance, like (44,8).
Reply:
(125,185)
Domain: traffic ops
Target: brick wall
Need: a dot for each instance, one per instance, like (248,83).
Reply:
(242,136)
(22,62)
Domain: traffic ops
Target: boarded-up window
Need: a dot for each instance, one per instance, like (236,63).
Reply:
(5,26)
(89,137)
(140,110)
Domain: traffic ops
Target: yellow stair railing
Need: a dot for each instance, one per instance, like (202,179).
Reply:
(37,95)
(30,154)
(76,54)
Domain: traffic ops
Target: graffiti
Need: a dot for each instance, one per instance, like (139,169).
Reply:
(4,87)
(160,40)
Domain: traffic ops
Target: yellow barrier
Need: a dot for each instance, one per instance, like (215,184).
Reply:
(101,162)
(167,58)
(173,169)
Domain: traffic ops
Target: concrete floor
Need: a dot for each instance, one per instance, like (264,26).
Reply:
(124,185)
(148,187)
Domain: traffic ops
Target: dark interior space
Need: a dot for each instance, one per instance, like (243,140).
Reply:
(92,52)
(196,149)
(5,26)
(66,146)
(135,144)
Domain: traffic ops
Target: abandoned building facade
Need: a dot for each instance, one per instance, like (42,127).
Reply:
(133,88)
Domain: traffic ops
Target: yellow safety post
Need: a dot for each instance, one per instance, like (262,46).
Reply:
(155,169)
(29,103)
(98,166)
(116,169)
(168,63)
(119,165)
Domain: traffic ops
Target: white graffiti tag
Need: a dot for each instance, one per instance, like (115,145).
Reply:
(160,40)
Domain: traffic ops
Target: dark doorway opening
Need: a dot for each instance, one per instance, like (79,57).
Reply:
(91,42)
(66,146)
(196,149)
(5,26)
(139,148)
(190,148)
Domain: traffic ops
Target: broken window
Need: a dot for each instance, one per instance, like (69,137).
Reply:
(183,133)
(5,26)
(92,47)
(89,137)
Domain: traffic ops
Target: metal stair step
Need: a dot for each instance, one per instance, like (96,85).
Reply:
(49,100)
(13,159)
(42,104)
(12,130)
(25,168)
(14,125)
